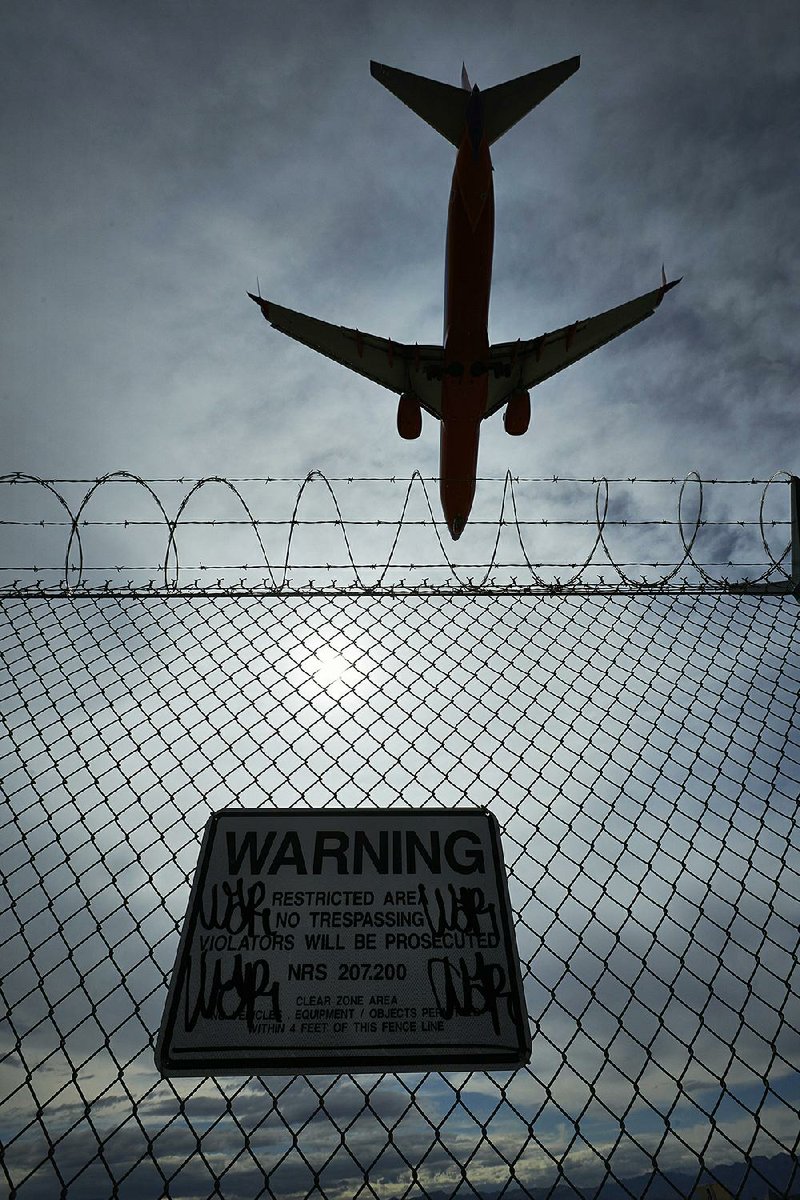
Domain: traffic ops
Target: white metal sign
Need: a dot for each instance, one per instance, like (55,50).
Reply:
(341,940)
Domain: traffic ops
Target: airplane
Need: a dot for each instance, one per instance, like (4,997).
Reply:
(466,379)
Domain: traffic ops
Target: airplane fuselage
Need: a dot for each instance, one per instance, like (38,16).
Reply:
(468,279)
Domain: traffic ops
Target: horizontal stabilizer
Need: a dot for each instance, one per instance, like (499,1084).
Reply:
(518,366)
(440,104)
(444,107)
(507,103)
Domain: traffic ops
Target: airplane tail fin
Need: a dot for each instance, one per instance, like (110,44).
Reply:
(444,107)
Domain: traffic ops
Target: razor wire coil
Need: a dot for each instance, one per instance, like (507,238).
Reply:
(775,571)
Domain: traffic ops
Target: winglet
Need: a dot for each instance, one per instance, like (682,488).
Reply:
(666,287)
(261,302)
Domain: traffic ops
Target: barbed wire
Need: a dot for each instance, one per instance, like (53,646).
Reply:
(777,573)
(21,477)
(220,521)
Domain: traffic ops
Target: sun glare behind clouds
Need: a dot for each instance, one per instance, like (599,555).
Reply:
(333,672)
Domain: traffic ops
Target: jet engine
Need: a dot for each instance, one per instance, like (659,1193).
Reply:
(409,417)
(517,416)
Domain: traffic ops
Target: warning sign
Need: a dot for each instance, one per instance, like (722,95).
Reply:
(341,940)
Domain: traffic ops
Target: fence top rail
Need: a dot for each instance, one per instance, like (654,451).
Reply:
(155,590)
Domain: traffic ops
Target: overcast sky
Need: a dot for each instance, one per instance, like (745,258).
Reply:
(158,157)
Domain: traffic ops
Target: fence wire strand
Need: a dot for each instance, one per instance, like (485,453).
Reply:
(642,757)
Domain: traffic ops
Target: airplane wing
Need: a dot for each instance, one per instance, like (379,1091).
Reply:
(393,365)
(519,366)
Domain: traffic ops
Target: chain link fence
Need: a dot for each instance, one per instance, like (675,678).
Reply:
(642,756)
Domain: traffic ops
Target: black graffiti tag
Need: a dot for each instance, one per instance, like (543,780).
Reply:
(460,912)
(458,991)
(236,909)
(229,998)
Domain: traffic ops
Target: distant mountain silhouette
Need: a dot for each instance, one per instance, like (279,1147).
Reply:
(779,1174)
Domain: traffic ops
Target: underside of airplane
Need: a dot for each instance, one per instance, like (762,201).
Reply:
(466,379)
(419,369)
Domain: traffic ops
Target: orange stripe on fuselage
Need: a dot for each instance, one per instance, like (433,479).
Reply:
(468,280)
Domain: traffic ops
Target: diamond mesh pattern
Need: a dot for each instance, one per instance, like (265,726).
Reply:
(642,755)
